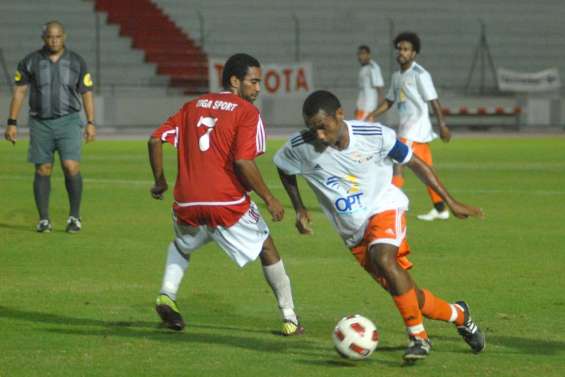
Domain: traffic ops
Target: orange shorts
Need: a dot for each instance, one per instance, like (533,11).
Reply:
(423,151)
(386,227)
(360,115)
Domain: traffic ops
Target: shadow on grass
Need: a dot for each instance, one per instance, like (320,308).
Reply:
(38,317)
(263,344)
(259,340)
(530,346)
(22,228)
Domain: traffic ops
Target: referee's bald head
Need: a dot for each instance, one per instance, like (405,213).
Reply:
(52,24)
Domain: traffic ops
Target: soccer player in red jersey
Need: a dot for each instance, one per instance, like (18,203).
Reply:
(218,136)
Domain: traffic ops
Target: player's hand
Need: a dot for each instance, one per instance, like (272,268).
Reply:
(444,133)
(303,222)
(275,208)
(158,190)
(463,211)
(90,133)
(10,134)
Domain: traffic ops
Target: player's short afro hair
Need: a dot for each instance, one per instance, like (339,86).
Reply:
(365,48)
(320,100)
(237,65)
(408,36)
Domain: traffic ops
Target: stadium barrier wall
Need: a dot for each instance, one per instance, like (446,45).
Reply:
(142,112)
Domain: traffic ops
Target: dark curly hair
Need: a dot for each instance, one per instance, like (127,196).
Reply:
(408,36)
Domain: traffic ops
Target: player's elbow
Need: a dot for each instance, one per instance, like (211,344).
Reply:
(242,164)
(153,141)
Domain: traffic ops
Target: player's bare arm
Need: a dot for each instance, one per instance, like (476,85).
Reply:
(387,104)
(18,98)
(381,93)
(426,174)
(303,220)
(251,177)
(155,147)
(90,131)
(444,132)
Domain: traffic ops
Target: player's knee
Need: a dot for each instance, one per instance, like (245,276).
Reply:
(269,254)
(44,169)
(71,168)
(383,257)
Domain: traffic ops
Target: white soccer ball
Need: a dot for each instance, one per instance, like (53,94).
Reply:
(355,337)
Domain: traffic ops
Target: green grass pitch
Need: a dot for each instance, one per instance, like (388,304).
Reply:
(82,305)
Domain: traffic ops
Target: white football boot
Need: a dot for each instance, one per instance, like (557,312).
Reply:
(434,215)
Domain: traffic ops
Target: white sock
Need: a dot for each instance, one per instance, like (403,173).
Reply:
(174,271)
(280,283)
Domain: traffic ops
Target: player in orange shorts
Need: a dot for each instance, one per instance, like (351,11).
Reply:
(371,84)
(348,164)
(411,89)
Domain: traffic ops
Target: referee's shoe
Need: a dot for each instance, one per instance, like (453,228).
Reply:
(73,225)
(44,226)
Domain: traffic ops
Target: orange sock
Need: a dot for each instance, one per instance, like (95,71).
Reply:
(407,305)
(436,308)
(398,181)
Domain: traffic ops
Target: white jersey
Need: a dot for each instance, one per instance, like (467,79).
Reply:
(352,184)
(370,78)
(411,91)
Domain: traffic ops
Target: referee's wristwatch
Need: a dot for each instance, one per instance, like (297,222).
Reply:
(12,122)
(91,122)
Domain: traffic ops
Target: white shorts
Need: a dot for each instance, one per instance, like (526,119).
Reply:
(242,241)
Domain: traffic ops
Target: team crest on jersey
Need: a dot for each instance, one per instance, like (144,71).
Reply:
(87,80)
(360,157)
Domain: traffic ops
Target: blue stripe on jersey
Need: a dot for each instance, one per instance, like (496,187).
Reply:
(366,129)
(301,139)
(399,151)
(367,133)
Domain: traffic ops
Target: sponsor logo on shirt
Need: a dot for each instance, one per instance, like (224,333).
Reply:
(351,200)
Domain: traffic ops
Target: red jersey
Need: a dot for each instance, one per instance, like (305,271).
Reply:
(211,133)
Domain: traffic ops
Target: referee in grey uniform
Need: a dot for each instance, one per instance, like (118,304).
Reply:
(58,77)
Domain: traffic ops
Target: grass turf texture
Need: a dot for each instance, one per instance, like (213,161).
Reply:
(82,305)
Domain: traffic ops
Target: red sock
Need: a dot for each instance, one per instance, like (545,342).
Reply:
(407,305)
(436,308)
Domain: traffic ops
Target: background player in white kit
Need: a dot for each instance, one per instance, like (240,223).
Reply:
(218,136)
(412,89)
(371,84)
(348,165)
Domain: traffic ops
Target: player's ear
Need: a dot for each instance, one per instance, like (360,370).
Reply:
(339,114)
(234,81)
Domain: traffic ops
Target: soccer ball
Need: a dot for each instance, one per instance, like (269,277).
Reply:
(355,337)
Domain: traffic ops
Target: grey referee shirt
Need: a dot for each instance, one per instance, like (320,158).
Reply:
(55,88)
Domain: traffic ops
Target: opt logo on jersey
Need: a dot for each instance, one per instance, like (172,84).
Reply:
(351,200)
(209,123)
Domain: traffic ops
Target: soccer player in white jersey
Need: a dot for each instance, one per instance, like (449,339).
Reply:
(348,165)
(411,89)
(371,84)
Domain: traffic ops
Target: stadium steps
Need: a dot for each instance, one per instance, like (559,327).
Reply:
(117,69)
(330,31)
(163,43)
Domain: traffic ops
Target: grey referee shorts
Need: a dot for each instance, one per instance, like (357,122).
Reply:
(62,134)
